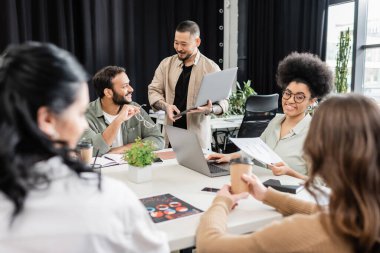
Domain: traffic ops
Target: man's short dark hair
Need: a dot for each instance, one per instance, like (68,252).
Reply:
(189,26)
(103,78)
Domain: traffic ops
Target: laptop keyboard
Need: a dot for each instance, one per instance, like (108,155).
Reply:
(217,168)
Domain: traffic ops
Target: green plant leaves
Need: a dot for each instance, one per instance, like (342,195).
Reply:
(237,98)
(342,57)
(140,154)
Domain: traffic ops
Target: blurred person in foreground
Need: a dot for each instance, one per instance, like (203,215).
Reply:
(343,148)
(49,201)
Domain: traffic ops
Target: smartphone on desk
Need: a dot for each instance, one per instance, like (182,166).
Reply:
(210,189)
(158,160)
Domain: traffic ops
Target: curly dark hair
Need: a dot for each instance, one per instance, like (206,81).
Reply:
(308,69)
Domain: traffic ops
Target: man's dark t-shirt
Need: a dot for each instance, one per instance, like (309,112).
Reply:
(180,98)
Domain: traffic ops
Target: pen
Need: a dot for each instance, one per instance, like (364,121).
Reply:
(106,157)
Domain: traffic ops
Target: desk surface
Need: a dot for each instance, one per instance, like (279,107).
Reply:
(169,177)
(233,121)
(223,123)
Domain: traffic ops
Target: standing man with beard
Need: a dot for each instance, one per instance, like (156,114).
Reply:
(114,120)
(177,81)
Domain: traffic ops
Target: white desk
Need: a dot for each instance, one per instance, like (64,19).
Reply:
(226,122)
(216,123)
(169,177)
(159,116)
(221,128)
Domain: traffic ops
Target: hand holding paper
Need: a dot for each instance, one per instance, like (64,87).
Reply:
(257,149)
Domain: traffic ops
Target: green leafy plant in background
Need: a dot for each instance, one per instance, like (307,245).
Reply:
(237,98)
(140,154)
(342,57)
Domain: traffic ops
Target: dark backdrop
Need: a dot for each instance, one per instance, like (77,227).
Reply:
(135,34)
(271,29)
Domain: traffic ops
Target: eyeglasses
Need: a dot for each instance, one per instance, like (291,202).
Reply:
(298,97)
(146,123)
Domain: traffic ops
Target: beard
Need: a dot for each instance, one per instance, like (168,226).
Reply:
(120,100)
(187,56)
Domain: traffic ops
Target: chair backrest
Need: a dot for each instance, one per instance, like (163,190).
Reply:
(259,110)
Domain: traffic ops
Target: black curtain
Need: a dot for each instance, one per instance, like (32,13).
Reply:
(271,29)
(133,34)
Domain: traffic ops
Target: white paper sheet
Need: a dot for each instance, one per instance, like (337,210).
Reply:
(116,157)
(109,160)
(257,149)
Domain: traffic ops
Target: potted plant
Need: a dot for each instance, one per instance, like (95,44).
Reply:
(237,98)
(140,158)
(342,58)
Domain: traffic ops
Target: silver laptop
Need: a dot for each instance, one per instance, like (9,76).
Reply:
(215,87)
(189,153)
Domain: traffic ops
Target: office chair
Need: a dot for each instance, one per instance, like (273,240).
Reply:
(259,110)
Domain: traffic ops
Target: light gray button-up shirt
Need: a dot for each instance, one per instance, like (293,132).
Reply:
(289,147)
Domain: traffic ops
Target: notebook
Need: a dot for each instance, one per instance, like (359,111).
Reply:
(215,87)
(189,153)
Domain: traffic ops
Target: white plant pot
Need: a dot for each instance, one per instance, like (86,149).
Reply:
(140,174)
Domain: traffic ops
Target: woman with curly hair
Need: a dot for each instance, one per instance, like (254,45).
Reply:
(304,78)
(49,201)
(343,149)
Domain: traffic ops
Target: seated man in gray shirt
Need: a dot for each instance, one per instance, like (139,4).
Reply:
(115,122)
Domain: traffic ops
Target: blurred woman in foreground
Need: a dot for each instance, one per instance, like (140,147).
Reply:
(49,202)
(343,148)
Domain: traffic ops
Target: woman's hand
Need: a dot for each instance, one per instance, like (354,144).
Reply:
(225,191)
(279,168)
(256,187)
(222,158)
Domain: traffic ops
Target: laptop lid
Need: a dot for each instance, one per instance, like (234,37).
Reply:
(189,152)
(215,87)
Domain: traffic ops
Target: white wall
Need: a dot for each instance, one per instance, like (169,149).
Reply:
(230,54)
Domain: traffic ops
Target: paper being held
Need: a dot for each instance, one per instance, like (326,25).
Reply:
(256,148)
